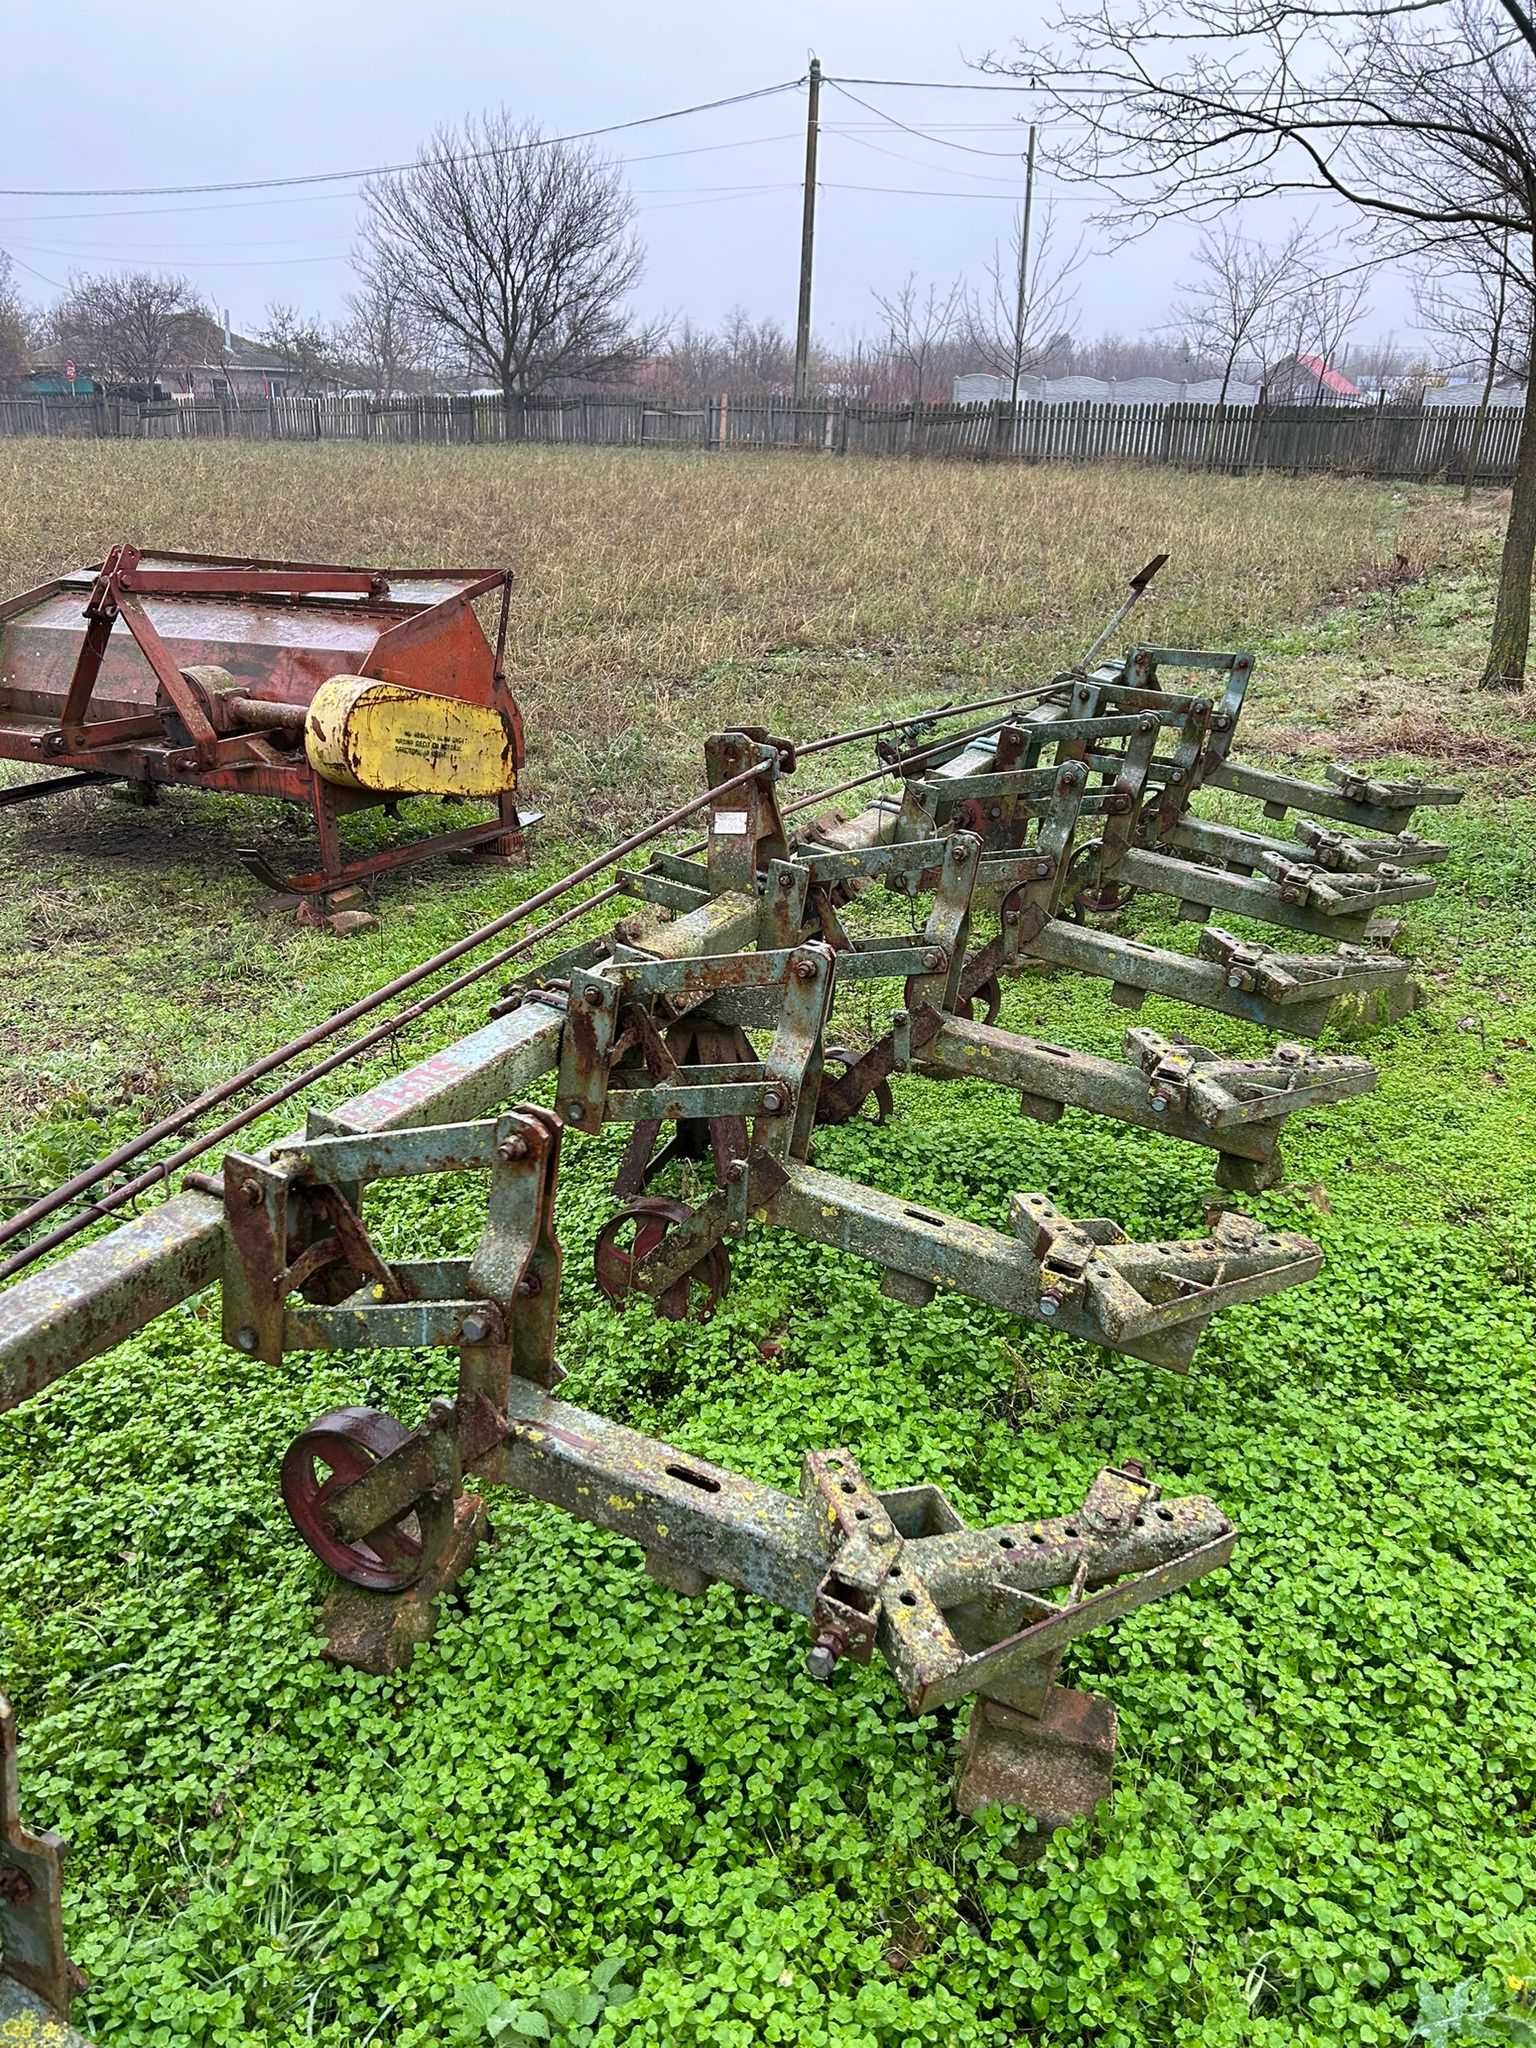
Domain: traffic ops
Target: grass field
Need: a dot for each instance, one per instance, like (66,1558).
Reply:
(1328,1753)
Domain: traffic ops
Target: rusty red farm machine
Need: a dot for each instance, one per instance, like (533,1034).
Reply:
(333,688)
(701,1023)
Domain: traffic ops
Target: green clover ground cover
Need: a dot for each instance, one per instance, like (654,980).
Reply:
(1328,1752)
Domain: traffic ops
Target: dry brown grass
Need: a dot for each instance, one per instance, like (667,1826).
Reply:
(660,595)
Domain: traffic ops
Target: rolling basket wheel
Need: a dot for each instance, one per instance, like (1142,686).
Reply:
(331,1454)
(631,1236)
(879,1095)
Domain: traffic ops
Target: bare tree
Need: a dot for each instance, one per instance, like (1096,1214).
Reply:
(14,324)
(760,355)
(917,324)
(1420,114)
(518,247)
(1473,301)
(135,327)
(312,352)
(1335,307)
(1022,315)
(385,338)
(1228,310)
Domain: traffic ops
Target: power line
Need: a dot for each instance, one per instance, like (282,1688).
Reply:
(142,253)
(386,170)
(900,156)
(936,192)
(971,148)
(33,271)
(171,249)
(203,262)
(950,85)
(330,198)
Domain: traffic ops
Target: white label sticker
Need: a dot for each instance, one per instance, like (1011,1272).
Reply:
(731,821)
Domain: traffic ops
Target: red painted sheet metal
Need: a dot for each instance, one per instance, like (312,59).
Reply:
(281,647)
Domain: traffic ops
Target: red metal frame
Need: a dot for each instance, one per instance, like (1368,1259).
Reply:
(212,605)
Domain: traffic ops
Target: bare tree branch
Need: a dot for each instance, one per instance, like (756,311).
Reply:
(917,324)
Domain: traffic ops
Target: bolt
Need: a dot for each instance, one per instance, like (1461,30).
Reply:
(1159,1103)
(1234,981)
(514,1148)
(250,1193)
(474,1330)
(1010,917)
(773,1101)
(1049,1304)
(821,1658)
(933,959)
(597,995)
(1043,870)
(995,811)
(575,1112)
(805,970)
(440,1411)
(1176,775)
(246,1337)
(1134,1468)
(786,881)
(962,852)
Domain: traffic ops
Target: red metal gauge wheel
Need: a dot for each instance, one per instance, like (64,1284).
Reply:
(632,1235)
(331,1454)
(879,1094)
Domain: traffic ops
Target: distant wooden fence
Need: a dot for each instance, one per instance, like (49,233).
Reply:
(1382,441)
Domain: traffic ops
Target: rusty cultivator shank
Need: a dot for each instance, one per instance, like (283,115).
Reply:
(330,687)
(701,1024)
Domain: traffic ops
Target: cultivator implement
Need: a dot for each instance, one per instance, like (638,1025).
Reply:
(334,688)
(702,1023)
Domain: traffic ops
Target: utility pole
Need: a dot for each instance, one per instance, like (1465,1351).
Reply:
(1019,304)
(807,232)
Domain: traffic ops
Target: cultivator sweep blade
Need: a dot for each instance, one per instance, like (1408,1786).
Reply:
(332,687)
(702,1023)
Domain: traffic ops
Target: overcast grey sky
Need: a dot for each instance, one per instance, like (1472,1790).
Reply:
(186,94)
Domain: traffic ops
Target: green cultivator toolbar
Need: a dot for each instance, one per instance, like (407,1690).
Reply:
(702,1024)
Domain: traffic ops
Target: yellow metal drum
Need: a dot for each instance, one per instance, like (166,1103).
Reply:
(380,736)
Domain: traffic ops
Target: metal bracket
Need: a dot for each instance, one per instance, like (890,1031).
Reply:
(32,1952)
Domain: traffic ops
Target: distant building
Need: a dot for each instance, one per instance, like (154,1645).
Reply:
(226,368)
(984,388)
(45,378)
(241,372)
(1294,383)
(1309,378)
(1470,393)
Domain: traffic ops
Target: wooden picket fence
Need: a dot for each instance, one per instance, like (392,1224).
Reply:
(1399,442)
